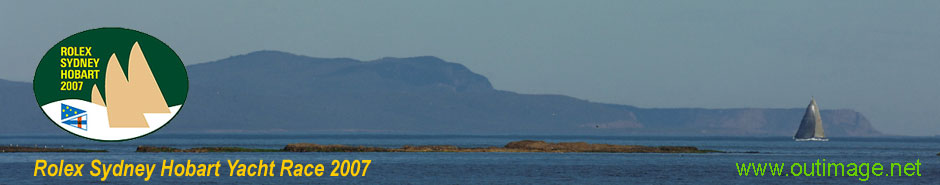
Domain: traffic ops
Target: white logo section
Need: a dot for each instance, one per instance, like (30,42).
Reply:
(98,120)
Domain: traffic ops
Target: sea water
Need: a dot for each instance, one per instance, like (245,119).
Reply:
(489,168)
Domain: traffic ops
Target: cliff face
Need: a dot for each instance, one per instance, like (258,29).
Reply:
(271,91)
(849,123)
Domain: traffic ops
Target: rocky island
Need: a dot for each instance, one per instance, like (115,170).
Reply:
(515,146)
(4,149)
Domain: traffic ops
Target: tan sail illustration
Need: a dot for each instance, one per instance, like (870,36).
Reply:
(96,96)
(128,98)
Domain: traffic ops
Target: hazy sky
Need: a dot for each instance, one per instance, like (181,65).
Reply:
(878,57)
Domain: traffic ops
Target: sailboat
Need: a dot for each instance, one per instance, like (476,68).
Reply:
(811,128)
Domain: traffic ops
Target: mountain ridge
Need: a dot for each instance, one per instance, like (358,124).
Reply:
(425,94)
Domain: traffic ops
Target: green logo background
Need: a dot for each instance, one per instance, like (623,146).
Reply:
(168,69)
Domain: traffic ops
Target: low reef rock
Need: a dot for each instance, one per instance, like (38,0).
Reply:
(515,146)
(201,149)
(542,146)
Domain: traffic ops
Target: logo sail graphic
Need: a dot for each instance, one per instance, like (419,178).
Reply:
(129,97)
(110,84)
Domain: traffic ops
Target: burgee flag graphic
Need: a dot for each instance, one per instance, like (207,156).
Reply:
(74,117)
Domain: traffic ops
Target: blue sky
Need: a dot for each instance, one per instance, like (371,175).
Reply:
(877,57)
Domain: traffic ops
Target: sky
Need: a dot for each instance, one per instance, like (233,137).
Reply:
(877,57)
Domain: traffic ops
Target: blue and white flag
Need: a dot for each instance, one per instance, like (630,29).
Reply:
(74,117)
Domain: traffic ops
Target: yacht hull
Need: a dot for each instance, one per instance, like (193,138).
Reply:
(811,139)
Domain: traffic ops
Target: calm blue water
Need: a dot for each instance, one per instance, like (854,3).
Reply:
(491,168)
